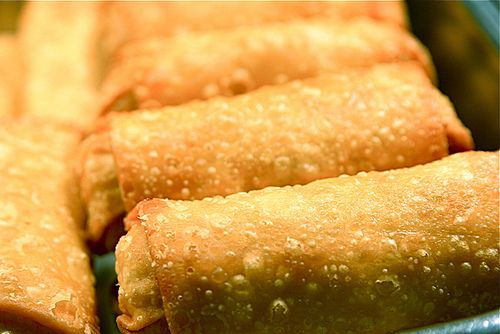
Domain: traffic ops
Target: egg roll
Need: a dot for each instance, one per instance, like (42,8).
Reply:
(156,72)
(58,42)
(10,72)
(388,116)
(376,252)
(46,283)
(128,20)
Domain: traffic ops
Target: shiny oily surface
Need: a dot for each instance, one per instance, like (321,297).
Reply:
(376,252)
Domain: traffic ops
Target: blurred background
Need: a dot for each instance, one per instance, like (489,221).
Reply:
(462,37)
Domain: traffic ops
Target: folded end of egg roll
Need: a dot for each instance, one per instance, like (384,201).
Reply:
(100,192)
(139,295)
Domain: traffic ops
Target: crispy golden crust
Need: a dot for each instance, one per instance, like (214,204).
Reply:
(10,74)
(45,277)
(169,71)
(375,252)
(99,188)
(61,71)
(385,117)
(126,21)
(388,116)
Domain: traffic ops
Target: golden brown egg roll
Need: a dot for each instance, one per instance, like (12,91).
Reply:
(168,71)
(128,21)
(46,284)
(375,253)
(384,117)
(58,41)
(10,74)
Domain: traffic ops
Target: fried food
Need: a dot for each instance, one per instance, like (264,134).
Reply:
(46,284)
(376,252)
(58,42)
(163,71)
(388,116)
(128,21)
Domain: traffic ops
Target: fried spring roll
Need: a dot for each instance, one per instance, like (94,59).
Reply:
(126,21)
(46,284)
(376,252)
(388,116)
(10,74)
(170,71)
(58,41)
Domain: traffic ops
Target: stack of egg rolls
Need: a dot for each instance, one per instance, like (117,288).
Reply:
(58,42)
(163,71)
(376,252)
(10,74)
(46,284)
(128,21)
(387,116)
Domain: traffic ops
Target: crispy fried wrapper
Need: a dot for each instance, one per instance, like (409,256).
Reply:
(11,76)
(58,41)
(169,71)
(376,252)
(46,284)
(128,21)
(388,116)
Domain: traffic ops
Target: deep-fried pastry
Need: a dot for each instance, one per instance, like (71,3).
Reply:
(388,116)
(128,20)
(46,284)
(168,71)
(376,252)
(58,42)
